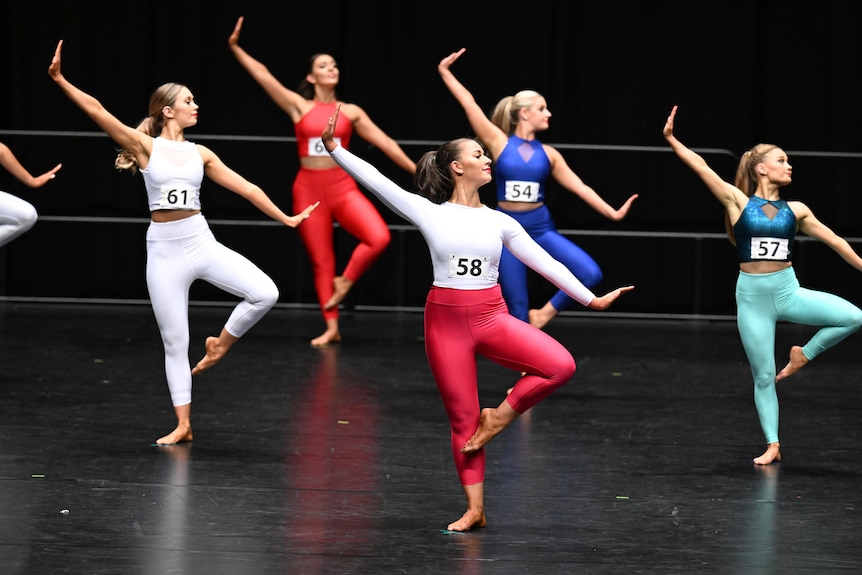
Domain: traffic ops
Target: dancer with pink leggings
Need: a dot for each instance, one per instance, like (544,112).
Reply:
(465,314)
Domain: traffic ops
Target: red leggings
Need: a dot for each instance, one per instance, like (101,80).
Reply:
(342,202)
(459,324)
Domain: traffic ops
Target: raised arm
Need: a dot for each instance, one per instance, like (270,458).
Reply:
(810,225)
(291,102)
(226,177)
(371,133)
(408,205)
(732,198)
(491,136)
(566,177)
(14,167)
(525,248)
(135,141)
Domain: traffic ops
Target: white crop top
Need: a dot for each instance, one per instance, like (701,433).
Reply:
(465,243)
(173,176)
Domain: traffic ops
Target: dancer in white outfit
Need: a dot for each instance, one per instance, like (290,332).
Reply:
(16,215)
(180,246)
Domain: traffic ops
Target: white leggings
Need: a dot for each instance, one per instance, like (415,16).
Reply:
(16,217)
(180,252)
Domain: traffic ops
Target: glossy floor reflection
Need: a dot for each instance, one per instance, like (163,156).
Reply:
(310,461)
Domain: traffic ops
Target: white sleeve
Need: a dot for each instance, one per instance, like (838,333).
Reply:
(412,207)
(525,248)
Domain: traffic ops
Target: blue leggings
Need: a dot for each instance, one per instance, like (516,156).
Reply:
(762,300)
(513,272)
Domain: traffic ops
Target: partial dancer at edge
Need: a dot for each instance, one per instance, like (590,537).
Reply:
(16,215)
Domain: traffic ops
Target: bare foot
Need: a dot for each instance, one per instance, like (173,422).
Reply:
(214,352)
(180,434)
(540,317)
(471,519)
(326,338)
(341,285)
(797,362)
(772,453)
(489,427)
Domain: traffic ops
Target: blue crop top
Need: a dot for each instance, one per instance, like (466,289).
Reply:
(521,171)
(761,238)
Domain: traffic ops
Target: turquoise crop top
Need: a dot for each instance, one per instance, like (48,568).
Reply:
(761,238)
(521,171)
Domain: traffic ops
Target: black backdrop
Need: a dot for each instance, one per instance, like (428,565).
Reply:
(741,71)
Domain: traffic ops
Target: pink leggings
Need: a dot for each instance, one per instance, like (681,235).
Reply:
(459,324)
(342,202)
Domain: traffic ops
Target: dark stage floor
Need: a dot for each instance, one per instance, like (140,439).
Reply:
(310,461)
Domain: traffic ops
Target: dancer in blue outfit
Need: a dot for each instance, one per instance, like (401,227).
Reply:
(763,226)
(522,167)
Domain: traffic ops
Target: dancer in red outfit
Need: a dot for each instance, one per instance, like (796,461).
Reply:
(465,314)
(320,178)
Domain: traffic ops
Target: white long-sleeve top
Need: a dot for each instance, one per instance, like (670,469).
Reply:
(465,243)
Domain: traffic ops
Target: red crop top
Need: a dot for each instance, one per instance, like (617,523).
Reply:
(311,126)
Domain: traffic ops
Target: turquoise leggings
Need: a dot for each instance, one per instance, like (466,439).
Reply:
(762,300)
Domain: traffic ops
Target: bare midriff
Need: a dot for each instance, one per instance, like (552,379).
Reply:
(162,216)
(519,206)
(763,267)
(317,163)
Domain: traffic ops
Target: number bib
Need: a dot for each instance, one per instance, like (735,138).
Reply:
(521,191)
(770,248)
(316,147)
(473,267)
(174,198)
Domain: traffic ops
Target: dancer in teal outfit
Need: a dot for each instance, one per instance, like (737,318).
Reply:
(762,226)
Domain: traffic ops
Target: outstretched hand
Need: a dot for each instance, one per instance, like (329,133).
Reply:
(329,131)
(446,62)
(40,181)
(233,39)
(624,210)
(605,301)
(54,68)
(294,221)
(668,125)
